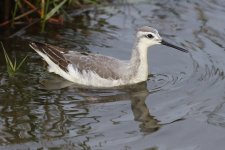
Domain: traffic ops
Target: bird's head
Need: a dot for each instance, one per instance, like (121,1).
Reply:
(149,36)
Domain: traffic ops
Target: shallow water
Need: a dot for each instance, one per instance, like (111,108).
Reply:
(181,106)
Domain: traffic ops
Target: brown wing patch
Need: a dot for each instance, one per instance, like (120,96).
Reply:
(53,52)
(104,66)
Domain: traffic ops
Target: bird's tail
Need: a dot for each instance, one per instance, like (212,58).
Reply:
(51,54)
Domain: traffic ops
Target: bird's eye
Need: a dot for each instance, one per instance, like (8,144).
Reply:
(150,36)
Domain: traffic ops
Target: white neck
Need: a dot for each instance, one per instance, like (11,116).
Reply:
(139,62)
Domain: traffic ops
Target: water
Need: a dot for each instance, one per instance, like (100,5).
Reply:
(181,106)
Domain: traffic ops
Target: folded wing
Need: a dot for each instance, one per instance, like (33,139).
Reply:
(103,66)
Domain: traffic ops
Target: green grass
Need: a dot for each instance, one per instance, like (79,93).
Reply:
(46,14)
(44,10)
(12,66)
(14,13)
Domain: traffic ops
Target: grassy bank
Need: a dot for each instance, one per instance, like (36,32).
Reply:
(28,12)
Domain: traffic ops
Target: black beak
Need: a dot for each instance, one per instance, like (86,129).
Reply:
(173,46)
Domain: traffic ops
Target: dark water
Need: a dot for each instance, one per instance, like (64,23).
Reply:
(181,106)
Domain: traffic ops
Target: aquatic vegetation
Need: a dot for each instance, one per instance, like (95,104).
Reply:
(12,66)
(30,12)
(46,14)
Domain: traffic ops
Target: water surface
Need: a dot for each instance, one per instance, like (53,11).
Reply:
(179,107)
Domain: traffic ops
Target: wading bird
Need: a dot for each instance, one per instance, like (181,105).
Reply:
(103,71)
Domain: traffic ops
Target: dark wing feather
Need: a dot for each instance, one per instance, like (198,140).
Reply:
(105,67)
(53,52)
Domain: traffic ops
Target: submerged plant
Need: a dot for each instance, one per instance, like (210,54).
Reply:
(12,67)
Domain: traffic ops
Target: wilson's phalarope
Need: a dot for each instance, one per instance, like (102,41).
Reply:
(99,70)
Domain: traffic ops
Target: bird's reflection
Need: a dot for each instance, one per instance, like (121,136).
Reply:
(141,112)
(136,93)
(59,107)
